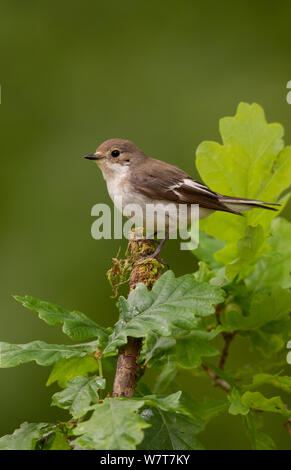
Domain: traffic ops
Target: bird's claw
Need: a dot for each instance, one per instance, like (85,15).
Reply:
(140,240)
(152,257)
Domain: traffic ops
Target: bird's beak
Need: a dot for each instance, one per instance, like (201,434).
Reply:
(94,156)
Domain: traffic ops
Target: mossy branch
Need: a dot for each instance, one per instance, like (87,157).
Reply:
(145,271)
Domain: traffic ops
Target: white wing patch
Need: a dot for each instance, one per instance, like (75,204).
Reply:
(191,184)
(196,185)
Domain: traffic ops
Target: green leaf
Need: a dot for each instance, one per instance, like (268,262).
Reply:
(250,145)
(204,273)
(192,347)
(214,276)
(265,307)
(250,163)
(267,343)
(79,394)
(53,440)
(155,346)
(12,355)
(259,440)
(24,438)
(237,407)
(66,369)
(186,350)
(280,381)
(249,249)
(178,430)
(173,302)
(275,267)
(207,247)
(167,403)
(167,374)
(203,410)
(170,431)
(75,324)
(114,425)
(256,401)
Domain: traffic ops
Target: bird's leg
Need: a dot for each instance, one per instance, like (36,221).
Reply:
(156,253)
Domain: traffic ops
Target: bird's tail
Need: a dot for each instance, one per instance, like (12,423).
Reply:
(241,204)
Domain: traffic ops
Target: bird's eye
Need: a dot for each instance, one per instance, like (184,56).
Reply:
(115,153)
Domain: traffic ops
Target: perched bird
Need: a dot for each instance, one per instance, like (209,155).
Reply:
(137,178)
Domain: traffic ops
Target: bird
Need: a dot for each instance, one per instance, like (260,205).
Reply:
(133,177)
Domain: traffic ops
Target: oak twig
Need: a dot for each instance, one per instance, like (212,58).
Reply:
(217,381)
(228,337)
(147,272)
(288,426)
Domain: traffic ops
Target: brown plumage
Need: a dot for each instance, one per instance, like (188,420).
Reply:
(133,177)
(159,180)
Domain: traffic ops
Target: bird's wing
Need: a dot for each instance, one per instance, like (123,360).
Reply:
(169,183)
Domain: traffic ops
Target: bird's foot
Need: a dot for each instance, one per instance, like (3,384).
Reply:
(156,253)
(152,257)
(140,240)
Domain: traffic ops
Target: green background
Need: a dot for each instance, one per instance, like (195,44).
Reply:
(73,74)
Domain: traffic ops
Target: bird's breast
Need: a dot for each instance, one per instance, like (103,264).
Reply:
(119,188)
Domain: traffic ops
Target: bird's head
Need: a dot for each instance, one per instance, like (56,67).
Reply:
(114,154)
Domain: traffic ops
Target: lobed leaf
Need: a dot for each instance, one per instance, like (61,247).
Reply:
(280,381)
(75,324)
(237,407)
(12,355)
(259,440)
(257,401)
(191,348)
(172,303)
(166,403)
(262,166)
(78,395)
(267,343)
(167,374)
(185,349)
(204,410)
(249,249)
(114,425)
(243,403)
(66,369)
(275,267)
(54,440)
(155,346)
(207,247)
(265,307)
(170,431)
(23,438)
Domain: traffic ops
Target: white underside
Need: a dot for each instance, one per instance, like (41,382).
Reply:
(154,214)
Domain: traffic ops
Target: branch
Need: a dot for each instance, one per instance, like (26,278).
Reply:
(217,381)
(288,426)
(228,337)
(147,272)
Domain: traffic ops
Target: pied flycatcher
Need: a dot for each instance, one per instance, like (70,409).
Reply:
(136,178)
